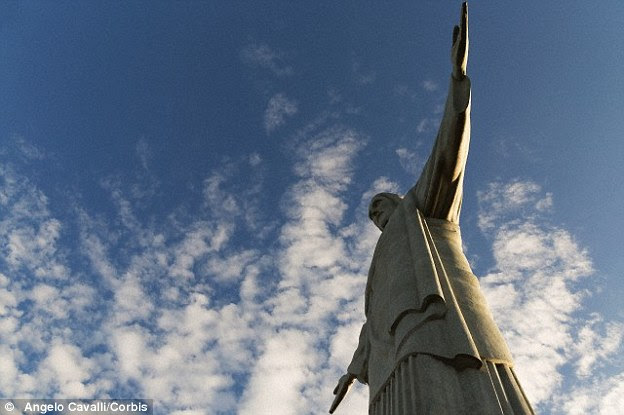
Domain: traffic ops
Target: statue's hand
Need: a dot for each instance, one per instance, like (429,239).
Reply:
(341,390)
(459,51)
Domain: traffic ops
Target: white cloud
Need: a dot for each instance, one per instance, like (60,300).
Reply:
(221,203)
(404,90)
(255,159)
(189,365)
(28,150)
(334,96)
(95,249)
(229,199)
(260,54)
(9,368)
(278,109)
(597,342)
(129,347)
(526,148)
(166,334)
(316,205)
(34,246)
(429,85)
(536,296)
(363,77)
(503,201)
(41,300)
(603,397)
(28,233)
(132,301)
(66,369)
(410,161)
(366,79)
(283,371)
(232,266)
(427,125)
(200,240)
(50,299)
(144,153)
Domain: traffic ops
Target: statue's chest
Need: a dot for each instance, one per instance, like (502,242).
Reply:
(392,260)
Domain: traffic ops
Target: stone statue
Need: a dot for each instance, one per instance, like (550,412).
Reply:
(430,344)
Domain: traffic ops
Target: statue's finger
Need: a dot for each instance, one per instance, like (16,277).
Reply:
(335,403)
(463,23)
(455,34)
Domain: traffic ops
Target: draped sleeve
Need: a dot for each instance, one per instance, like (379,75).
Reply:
(439,190)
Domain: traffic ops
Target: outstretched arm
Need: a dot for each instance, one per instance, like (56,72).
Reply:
(439,190)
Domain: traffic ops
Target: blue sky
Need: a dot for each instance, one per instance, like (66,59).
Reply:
(183,192)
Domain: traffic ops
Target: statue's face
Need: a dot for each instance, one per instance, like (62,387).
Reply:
(380,211)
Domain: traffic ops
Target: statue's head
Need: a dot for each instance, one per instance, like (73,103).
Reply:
(381,207)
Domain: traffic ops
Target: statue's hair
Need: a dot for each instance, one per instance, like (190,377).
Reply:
(396,199)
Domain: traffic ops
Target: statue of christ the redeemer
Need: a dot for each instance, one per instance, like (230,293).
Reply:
(430,344)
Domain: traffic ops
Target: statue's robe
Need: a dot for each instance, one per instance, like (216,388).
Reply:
(430,344)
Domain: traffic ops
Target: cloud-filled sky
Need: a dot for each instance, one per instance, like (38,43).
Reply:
(184,187)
